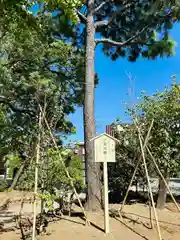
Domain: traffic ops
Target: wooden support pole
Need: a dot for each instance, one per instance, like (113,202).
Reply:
(149,184)
(127,192)
(161,175)
(65,169)
(106,198)
(150,213)
(36,178)
(136,168)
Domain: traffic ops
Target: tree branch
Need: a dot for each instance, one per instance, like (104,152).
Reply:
(121,44)
(119,13)
(82,16)
(102,23)
(101,5)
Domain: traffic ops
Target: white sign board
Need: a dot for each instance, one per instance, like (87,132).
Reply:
(104,151)
(104,148)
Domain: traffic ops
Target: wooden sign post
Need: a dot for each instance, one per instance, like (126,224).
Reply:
(104,151)
(106,198)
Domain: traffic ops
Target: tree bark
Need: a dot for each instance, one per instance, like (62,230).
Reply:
(162,194)
(92,170)
(24,163)
(18,174)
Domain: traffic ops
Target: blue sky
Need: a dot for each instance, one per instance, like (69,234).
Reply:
(114,84)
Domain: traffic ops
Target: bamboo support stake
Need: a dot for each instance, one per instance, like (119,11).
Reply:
(127,192)
(36,178)
(20,217)
(150,214)
(149,184)
(161,175)
(136,168)
(66,171)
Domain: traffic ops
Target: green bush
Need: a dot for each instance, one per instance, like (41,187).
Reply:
(3,185)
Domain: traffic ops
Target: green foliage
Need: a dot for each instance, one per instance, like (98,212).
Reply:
(128,28)
(164,108)
(161,48)
(127,19)
(52,175)
(4,126)
(54,183)
(57,161)
(52,169)
(68,7)
(164,141)
(3,185)
(35,66)
(38,65)
(127,155)
(13,161)
(140,27)
(48,199)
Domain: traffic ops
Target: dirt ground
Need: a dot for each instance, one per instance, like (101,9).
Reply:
(14,196)
(135,226)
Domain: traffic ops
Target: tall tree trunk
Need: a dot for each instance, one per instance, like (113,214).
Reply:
(93,177)
(162,194)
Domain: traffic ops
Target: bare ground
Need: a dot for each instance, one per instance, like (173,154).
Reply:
(135,226)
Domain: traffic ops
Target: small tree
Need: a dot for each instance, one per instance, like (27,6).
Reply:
(36,66)
(127,155)
(164,108)
(52,175)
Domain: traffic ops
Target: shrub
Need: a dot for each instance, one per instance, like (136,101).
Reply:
(3,185)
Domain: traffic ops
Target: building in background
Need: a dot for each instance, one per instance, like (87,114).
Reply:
(112,129)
